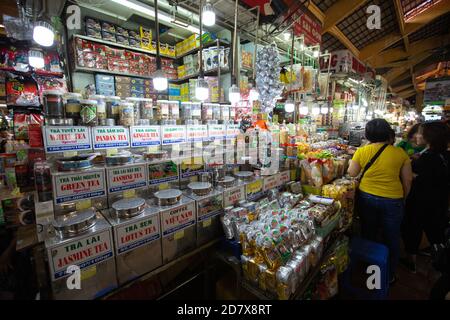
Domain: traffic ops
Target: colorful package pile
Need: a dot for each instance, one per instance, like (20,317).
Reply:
(278,242)
(104,85)
(342,190)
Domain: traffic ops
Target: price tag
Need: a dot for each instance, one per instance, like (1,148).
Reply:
(69,154)
(179,235)
(84,204)
(129,193)
(88,273)
(207,223)
(110,152)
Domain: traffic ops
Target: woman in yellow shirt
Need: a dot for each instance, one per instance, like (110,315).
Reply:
(383,188)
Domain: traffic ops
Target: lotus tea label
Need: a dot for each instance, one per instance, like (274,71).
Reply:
(83,252)
(61,139)
(136,234)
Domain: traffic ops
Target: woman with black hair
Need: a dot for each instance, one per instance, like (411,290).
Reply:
(384,184)
(427,204)
(411,144)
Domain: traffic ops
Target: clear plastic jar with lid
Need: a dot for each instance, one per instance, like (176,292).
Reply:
(208,113)
(136,107)
(126,116)
(146,110)
(164,111)
(225,113)
(186,112)
(196,111)
(217,112)
(88,112)
(101,108)
(113,108)
(174,111)
(73,106)
(53,104)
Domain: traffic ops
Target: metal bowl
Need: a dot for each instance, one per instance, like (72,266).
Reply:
(75,223)
(153,155)
(119,158)
(226,182)
(168,197)
(75,163)
(128,208)
(200,188)
(244,175)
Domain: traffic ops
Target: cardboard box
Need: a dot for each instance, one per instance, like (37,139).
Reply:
(123,80)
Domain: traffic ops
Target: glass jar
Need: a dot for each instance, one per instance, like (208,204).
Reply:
(43,181)
(164,111)
(126,116)
(101,108)
(186,112)
(53,104)
(174,111)
(136,107)
(207,112)
(196,111)
(88,112)
(217,116)
(232,114)
(73,106)
(146,110)
(113,108)
(225,113)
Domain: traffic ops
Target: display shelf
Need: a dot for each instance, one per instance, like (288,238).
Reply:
(122,46)
(161,269)
(115,73)
(36,72)
(207,73)
(246,69)
(205,45)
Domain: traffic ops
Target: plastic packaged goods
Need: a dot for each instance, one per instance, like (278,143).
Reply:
(43,181)
(285,282)
(146,110)
(136,108)
(126,115)
(73,106)
(88,112)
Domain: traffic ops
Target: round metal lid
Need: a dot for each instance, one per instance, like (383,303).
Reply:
(244,174)
(75,222)
(128,208)
(168,194)
(200,188)
(120,157)
(227,179)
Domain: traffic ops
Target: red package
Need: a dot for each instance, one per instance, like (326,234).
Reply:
(35,136)
(21,92)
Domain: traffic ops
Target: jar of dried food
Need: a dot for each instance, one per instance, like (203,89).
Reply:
(101,108)
(136,107)
(73,106)
(146,109)
(113,108)
(43,181)
(126,116)
(88,112)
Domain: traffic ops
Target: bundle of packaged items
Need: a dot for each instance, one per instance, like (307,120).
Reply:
(278,240)
(193,42)
(342,190)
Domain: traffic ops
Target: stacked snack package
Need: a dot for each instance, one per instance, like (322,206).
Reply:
(278,241)
(344,191)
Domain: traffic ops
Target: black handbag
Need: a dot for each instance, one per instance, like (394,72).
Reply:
(359,179)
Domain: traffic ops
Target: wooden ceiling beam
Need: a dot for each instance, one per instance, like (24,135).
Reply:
(339,11)
(409,27)
(401,88)
(407,93)
(405,75)
(395,72)
(334,30)
(395,54)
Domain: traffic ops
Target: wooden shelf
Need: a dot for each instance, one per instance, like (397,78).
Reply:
(122,46)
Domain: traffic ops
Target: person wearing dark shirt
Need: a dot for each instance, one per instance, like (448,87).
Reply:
(427,203)
(410,144)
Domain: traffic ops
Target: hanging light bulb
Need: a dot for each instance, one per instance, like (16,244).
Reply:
(331,110)
(234,95)
(36,59)
(316,53)
(208,15)
(324,110)
(315,109)
(287,36)
(302,44)
(201,90)
(289,106)
(304,110)
(43,34)
(159,81)
(355,107)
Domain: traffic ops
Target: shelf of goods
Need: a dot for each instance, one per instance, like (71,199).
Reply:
(205,45)
(38,72)
(114,73)
(118,45)
(207,73)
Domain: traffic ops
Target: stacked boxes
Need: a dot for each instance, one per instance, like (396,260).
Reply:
(184,92)
(137,88)
(104,85)
(169,68)
(174,92)
(123,87)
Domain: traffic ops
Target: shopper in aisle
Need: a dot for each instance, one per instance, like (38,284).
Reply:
(413,144)
(385,181)
(427,204)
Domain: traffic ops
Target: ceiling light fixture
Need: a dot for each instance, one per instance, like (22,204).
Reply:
(43,34)
(289,106)
(208,15)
